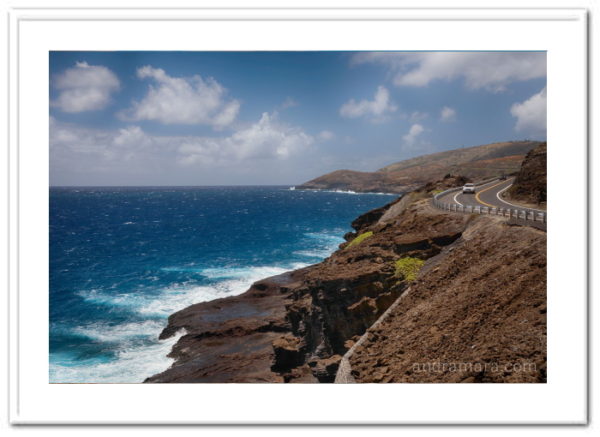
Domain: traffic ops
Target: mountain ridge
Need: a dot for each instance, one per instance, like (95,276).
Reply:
(476,162)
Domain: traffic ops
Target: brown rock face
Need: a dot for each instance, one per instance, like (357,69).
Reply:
(530,184)
(477,313)
(232,339)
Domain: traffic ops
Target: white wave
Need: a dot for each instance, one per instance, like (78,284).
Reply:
(341,191)
(117,333)
(315,253)
(247,272)
(349,192)
(176,298)
(132,364)
(171,299)
(326,244)
(327,237)
(129,223)
(354,192)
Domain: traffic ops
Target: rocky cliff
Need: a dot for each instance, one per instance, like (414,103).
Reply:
(475,313)
(479,162)
(295,327)
(530,183)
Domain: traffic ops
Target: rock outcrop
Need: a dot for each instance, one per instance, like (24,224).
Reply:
(530,183)
(476,313)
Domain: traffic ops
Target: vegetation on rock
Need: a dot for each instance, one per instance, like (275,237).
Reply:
(360,238)
(407,268)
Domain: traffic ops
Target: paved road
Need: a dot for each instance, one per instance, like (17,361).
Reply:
(486,195)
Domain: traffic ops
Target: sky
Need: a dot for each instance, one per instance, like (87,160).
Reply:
(278,118)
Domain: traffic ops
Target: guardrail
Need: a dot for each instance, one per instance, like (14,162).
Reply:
(516,213)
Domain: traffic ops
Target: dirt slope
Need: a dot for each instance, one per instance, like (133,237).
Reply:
(477,313)
(530,184)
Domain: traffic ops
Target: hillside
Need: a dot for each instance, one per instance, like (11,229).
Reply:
(477,313)
(530,184)
(477,162)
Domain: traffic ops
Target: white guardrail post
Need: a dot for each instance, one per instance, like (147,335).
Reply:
(519,214)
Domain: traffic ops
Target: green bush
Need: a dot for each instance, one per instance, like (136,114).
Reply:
(360,239)
(408,268)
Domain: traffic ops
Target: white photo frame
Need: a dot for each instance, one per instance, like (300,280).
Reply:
(560,32)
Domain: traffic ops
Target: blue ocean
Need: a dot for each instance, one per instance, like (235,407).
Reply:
(123,259)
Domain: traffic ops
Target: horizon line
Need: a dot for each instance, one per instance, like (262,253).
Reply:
(170,186)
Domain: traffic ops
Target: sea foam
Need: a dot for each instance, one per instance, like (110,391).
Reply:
(133,364)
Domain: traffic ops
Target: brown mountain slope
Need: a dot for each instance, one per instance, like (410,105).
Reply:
(476,313)
(530,183)
(477,162)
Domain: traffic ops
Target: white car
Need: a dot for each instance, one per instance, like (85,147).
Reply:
(469,188)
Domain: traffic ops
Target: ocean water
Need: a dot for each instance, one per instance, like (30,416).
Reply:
(123,259)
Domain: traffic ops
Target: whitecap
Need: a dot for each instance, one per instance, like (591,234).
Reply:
(108,333)
(164,302)
(327,237)
(351,192)
(315,253)
(235,282)
(133,364)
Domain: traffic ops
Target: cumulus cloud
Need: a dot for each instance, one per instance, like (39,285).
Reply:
(289,103)
(375,109)
(84,88)
(326,135)
(492,71)
(411,137)
(447,114)
(179,100)
(531,115)
(73,142)
(133,148)
(417,116)
(266,139)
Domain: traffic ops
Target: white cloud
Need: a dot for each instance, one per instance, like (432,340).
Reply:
(488,70)
(266,139)
(411,137)
(447,114)
(130,148)
(84,88)
(289,103)
(71,141)
(417,116)
(531,115)
(178,100)
(376,109)
(326,135)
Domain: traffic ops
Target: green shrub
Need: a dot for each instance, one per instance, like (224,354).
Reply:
(407,268)
(360,239)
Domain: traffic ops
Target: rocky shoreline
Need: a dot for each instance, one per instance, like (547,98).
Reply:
(297,326)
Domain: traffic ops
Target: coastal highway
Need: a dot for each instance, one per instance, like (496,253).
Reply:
(489,195)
